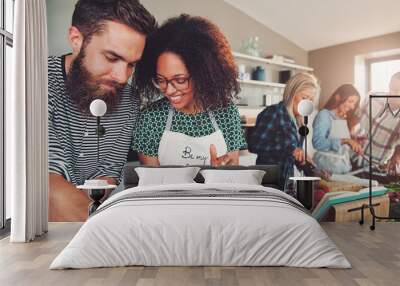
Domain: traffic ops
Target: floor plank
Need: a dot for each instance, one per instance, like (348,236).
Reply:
(374,255)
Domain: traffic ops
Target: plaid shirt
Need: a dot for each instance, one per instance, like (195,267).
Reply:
(385,132)
(274,139)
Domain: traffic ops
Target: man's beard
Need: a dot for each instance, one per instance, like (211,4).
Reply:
(83,88)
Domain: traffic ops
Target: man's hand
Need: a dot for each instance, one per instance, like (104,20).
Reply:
(230,158)
(391,165)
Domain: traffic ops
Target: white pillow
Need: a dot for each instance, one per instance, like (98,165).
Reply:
(249,177)
(164,176)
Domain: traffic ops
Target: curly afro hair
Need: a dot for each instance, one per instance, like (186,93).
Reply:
(206,54)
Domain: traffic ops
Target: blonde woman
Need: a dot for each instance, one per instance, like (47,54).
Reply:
(275,138)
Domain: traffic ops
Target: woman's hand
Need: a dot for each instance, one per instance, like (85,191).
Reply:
(148,160)
(230,158)
(299,156)
(354,145)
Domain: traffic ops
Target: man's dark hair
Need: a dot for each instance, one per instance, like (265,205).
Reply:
(206,54)
(90,16)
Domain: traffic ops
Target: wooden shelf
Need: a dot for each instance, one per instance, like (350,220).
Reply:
(271,62)
(261,83)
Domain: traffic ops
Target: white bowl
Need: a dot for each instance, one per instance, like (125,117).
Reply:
(96,183)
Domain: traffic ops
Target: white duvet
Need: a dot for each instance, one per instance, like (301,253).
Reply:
(183,231)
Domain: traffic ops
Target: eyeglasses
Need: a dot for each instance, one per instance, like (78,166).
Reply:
(179,83)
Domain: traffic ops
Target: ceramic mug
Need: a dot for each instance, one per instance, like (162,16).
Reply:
(241,71)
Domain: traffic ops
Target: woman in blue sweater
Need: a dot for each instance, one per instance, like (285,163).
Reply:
(331,131)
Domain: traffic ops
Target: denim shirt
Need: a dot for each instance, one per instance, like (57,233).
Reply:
(322,127)
(330,154)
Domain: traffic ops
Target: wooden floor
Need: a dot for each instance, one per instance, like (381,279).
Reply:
(375,256)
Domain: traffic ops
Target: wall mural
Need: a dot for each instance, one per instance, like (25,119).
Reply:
(132,92)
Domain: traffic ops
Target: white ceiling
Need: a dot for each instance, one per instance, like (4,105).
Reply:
(314,24)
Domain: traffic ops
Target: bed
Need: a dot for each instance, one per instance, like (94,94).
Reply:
(197,224)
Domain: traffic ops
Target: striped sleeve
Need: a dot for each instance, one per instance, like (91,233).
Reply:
(57,162)
(117,156)
(111,170)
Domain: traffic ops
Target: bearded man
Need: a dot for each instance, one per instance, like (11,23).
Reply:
(107,39)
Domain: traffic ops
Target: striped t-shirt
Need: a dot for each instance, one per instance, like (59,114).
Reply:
(72,134)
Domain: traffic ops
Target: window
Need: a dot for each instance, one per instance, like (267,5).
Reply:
(6,64)
(380,72)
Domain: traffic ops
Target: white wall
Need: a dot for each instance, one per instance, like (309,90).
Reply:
(236,25)
(59,15)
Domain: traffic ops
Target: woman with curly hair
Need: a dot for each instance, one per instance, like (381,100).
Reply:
(189,61)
